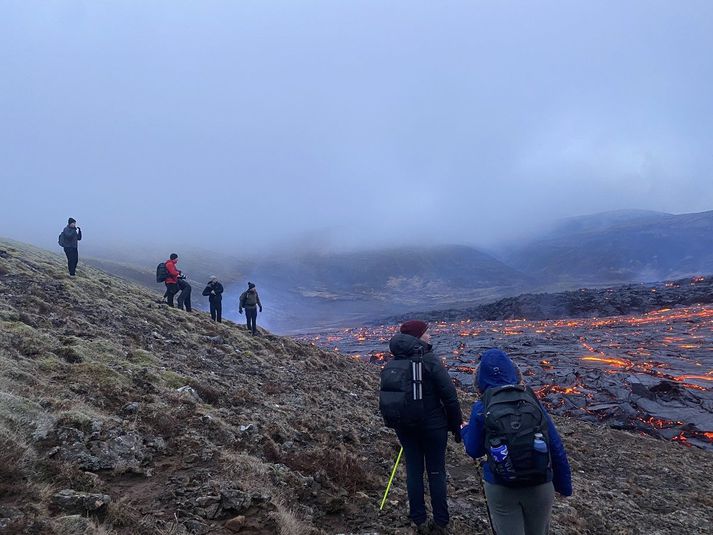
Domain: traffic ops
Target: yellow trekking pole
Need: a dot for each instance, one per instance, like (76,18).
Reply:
(391,479)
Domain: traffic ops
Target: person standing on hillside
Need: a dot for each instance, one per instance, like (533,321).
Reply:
(214,292)
(526,460)
(184,298)
(68,240)
(418,399)
(250,301)
(171,280)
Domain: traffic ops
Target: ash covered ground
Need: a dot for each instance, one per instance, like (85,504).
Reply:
(651,373)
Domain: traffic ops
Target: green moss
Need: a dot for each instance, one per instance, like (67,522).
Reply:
(48,363)
(174,380)
(140,357)
(100,374)
(75,419)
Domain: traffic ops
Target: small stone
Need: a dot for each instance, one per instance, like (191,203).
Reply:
(190,392)
(131,408)
(236,523)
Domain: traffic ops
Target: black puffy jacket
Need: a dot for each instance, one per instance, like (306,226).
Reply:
(440,400)
(214,287)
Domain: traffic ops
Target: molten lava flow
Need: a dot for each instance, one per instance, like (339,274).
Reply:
(556,389)
(682,378)
(622,363)
(578,364)
(659,423)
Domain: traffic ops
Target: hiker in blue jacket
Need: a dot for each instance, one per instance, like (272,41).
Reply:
(514,510)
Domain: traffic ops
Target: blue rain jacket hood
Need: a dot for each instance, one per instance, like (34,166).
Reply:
(496,369)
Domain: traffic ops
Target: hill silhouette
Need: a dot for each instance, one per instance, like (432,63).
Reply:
(624,246)
(119,415)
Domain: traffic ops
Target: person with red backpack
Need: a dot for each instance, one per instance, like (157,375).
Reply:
(525,459)
(419,401)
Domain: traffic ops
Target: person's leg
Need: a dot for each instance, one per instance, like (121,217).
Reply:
(212,310)
(69,259)
(252,319)
(219,311)
(413,452)
(75,261)
(435,450)
(505,510)
(537,504)
(187,289)
(171,290)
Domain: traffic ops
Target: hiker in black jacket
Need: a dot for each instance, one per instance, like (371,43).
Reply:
(68,241)
(425,442)
(250,301)
(184,298)
(214,292)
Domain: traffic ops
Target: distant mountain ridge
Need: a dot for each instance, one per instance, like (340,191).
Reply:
(317,289)
(582,303)
(607,248)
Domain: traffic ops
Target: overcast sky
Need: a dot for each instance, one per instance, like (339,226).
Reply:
(254,124)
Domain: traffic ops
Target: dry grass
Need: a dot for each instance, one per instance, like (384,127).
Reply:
(342,468)
(288,523)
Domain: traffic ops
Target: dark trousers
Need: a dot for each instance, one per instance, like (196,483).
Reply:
(72,259)
(171,290)
(184,298)
(427,445)
(216,310)
(251,317)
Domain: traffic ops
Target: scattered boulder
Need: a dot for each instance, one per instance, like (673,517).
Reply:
(131,408)
(190,393)
(72,501)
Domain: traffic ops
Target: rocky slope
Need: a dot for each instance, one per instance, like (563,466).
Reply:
(119,415)
(583,303)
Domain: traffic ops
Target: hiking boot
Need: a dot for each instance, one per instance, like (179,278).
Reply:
(423,529)
(438,530)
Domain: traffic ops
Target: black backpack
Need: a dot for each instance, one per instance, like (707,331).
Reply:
(161,272)
(512,418)
(60,240)
(401,392)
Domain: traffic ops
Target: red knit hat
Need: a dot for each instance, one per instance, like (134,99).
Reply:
(414,328)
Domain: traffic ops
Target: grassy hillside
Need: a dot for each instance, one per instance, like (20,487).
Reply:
(119,415)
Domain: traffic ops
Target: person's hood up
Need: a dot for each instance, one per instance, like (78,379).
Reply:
(251,286)
(405,345)
(496,369)
(212,279)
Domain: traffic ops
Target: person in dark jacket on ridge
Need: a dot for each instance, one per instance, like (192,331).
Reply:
(184,298)
(427,443)
(522,510)
(172,280)
(250,301)
(68,240)
(214,292)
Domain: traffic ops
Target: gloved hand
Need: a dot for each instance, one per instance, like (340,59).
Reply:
(457,437)
(240,311)
(260,309)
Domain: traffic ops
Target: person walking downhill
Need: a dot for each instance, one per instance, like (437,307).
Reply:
(68,240)
(171,279)
(250,301)
(526,460)
(418,399)
(214,292)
